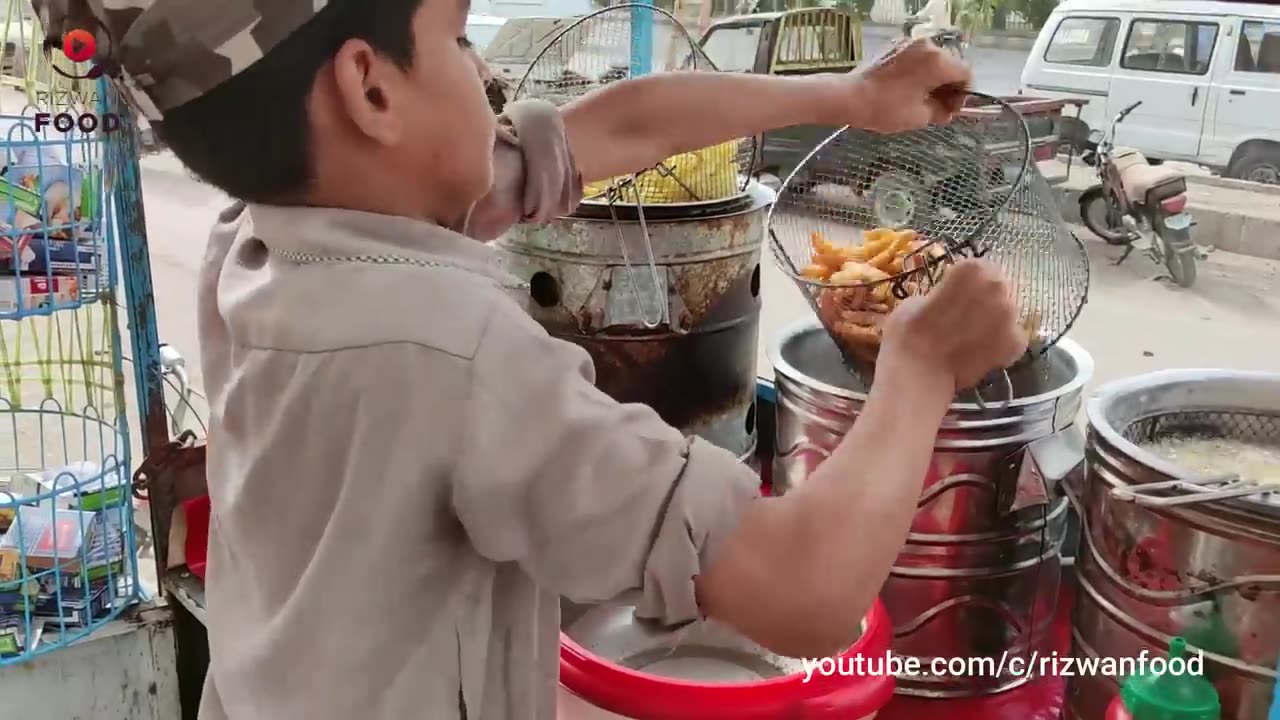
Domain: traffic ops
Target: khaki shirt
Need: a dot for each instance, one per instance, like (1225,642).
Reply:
(407,472)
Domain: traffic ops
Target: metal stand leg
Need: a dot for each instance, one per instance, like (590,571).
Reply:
(1128,250)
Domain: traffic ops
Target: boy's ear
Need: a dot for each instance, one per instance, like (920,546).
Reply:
(359,91)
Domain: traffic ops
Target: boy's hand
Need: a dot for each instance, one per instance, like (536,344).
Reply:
(917,83)
(963,330)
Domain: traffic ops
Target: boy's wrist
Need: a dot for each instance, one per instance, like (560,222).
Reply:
(910,367)
(837,99)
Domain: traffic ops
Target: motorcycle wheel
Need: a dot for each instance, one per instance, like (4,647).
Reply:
(1094,212)
(1181,265)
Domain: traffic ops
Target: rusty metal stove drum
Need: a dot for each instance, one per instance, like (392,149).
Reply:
(696,366)
(1192,561)
(979,575)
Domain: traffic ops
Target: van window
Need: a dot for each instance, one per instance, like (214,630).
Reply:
(1259,48)
(1171,46)
(733,49)
(1088,41)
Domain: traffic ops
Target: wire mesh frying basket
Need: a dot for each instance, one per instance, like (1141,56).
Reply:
(1224,433)
(618,43)
(868,220)
(631,40)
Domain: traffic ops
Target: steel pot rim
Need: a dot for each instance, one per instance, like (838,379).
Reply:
(1100,403)
(755,197)
(1083,361)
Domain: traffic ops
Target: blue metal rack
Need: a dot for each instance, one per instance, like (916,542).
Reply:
(67,549)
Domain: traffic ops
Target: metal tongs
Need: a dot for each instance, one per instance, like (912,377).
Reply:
(1197,490)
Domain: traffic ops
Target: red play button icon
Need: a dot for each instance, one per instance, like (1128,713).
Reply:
(79,45)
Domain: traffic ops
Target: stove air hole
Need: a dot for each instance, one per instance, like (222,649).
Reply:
(755,281)
(544,289)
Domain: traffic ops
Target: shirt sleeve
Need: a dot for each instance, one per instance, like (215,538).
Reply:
(535,178)
(592,498)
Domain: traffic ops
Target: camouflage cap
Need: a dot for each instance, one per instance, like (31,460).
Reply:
(173,51)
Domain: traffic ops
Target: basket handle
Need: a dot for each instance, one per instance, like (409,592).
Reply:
(664,305)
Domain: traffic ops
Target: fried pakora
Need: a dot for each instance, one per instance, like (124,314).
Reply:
(856,311)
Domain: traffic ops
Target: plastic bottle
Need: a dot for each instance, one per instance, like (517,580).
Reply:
(1167,696)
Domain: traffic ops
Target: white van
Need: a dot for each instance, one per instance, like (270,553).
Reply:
(482,29)
(532,8)
(1207,73)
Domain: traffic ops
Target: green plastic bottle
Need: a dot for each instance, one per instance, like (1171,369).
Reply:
(1166,695)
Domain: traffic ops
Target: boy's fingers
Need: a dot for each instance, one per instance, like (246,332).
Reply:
(948,69)
(952,72)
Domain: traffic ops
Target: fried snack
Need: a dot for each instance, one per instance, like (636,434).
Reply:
(897,247)
(856,310)
(854,272)
(702,175)
(1031,325)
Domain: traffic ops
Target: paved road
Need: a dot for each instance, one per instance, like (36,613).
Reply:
(996,71)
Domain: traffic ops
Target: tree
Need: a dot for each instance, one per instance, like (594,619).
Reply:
(974,16)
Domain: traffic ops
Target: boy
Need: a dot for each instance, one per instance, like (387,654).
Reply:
(408,471)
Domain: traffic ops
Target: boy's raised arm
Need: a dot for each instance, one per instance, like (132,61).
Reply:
(632,125)
(542,157)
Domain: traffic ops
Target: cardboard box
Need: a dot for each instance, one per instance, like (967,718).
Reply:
(13,636)
(94,492)
(37,291)
(49,195)
(10,566)
(48,537)
(10,501)
(37,255)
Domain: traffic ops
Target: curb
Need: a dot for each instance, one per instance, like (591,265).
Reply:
(1231,184)
(1228,231)
(1005,42)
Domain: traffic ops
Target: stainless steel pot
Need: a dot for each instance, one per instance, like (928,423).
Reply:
(979,574)
(1192,563)
(678,332)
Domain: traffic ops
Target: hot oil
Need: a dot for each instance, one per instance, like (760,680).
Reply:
(1209,456)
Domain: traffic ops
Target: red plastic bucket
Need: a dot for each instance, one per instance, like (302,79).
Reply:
(593,688)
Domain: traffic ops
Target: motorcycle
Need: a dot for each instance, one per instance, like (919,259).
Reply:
(948,39)
(952,40)
(1133,194)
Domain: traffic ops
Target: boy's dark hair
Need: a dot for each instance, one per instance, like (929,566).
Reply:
(250,136)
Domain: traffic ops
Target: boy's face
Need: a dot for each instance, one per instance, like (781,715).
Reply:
(423,139)
(449,92)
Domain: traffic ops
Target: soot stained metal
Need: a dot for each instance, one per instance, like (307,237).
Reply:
(697,367)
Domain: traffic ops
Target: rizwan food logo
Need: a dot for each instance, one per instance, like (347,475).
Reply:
(79,45)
